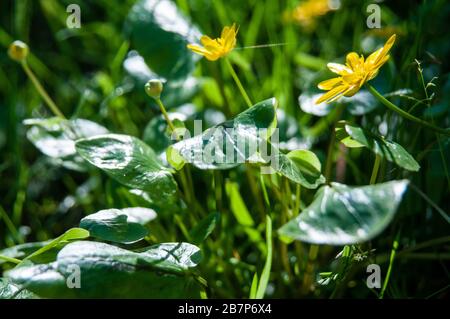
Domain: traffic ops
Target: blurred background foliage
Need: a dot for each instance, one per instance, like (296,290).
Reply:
(84,71)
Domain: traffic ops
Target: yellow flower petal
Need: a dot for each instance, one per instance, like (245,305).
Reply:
(379,54)
(329,84)
(333,94)
(339,68)
(214,49)
(352,60)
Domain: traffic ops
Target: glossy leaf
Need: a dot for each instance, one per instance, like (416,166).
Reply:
(300,166)
(160,33)
(354,136)
(120,226)
(108,271)
(341,215)
(56,137)
(228,144)
(11,291)
(131,162)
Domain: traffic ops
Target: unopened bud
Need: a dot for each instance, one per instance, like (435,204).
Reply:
(18,51)
(153,88)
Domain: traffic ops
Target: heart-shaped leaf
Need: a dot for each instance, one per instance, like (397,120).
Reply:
(228,144)
(56,137)
(119,226)
(160,33)
(354,136)
(106,271)
(300,166)
(131,162)
(342,215)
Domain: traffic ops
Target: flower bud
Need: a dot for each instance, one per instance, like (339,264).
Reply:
(18,51)
(153,88)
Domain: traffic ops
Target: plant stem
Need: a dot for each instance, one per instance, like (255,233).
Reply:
(265,275)
(405,114)
(164,112)
(391,263)
(376,166)
(238,83)
(10,259)
(42,91)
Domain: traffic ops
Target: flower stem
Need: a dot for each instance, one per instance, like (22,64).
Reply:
(404,114)
(10,259)
(376,166)
(164,112)
(42,91)
(238,83)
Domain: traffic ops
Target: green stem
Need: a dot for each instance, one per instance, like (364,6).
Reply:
(164,112)
(405,114)
(391,263)
(376,166)
(10,259)
(42,91)
(238,83)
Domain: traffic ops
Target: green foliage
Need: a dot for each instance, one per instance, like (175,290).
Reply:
(353,136)
(109,271)
(90,168)
(342,215)
(131,162)
(118,226)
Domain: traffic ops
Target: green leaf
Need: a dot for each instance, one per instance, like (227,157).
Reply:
(265,275)
(56,137)
(228,144)
(71,234)
(354,136)
(204,228)
(107,271)
(11,291)
(343,215)
(254,286)
(237,205)
(160,33)
(119,226)
(300,166)
(131,162)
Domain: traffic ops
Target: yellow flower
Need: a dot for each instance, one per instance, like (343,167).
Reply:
(214,49)
(354,73)
(306,12)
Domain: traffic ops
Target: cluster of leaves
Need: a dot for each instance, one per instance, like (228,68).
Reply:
(212,206)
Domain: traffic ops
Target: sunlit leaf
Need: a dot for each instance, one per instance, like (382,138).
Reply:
(228,144)
(121,226)
(129,161)
(354,136)
(341,215)
(107,271)
(56,137)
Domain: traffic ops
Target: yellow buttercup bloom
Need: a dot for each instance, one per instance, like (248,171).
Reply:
(214,49)
(354,73)
(306,12)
